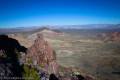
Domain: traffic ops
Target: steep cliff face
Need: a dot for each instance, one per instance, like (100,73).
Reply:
(42,54)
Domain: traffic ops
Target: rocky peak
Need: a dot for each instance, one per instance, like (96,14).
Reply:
(42,54)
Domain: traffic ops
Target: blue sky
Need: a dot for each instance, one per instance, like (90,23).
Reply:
(21,13)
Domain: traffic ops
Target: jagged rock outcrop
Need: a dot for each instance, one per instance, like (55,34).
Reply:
(42,54)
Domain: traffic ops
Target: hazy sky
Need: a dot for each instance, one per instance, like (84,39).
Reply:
(20,13)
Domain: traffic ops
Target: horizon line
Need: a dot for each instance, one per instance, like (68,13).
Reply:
(47,25)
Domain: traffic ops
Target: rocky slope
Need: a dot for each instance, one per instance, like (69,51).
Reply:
(46,32)
(113,36)
(27,39)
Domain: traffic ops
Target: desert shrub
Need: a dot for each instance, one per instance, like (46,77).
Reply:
(30,73)
(41,65)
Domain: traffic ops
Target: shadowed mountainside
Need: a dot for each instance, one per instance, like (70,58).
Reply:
(9,63)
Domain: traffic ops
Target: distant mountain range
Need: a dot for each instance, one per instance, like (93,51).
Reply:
(34,28)
(91,26)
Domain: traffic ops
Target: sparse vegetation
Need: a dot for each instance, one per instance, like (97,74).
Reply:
(30,73)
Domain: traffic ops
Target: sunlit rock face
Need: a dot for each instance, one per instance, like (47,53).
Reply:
(42,54)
